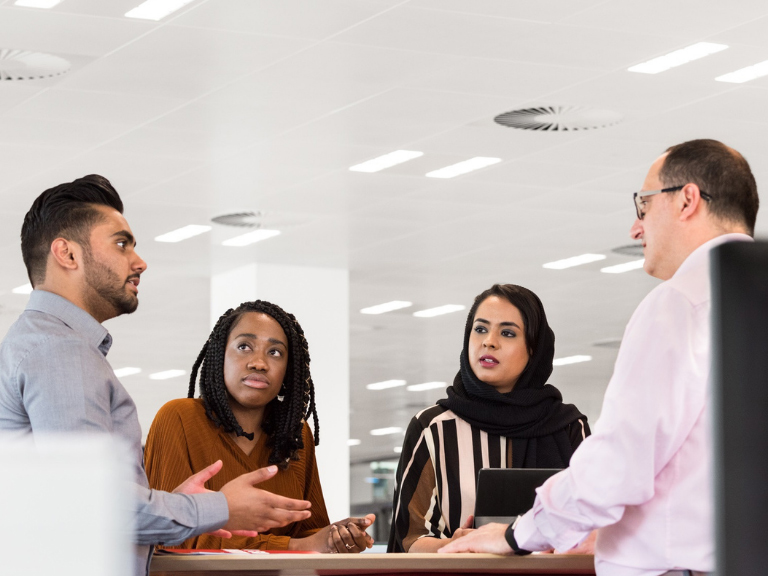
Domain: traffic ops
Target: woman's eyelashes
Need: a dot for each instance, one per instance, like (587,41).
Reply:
(481,329)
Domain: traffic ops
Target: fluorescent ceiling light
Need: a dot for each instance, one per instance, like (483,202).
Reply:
(626,267)
(386,431)
(447,309)
(353,442)
(182,233)
(425,386)
(156,9)
(386,161)
(37,3)
(574,261)
(123,372)
(25,289)
(250,237)
(386,307)
(166,374)
(463,167)
(398,449)
(570,360)
(745,74)
(385,384)
(678,58)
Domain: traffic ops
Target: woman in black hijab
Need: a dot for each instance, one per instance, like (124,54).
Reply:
(499,413)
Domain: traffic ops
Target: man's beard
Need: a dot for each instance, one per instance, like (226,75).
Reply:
(107,289)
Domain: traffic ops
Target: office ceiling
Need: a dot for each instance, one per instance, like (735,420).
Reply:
(255,105)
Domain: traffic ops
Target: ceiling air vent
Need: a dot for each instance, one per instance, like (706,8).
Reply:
(24,65)
(240,219)
(558,118)
(630,250)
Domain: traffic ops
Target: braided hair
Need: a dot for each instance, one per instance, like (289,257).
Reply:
(283,421)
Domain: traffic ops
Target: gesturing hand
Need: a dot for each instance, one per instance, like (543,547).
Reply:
(253,509)
(195,484)
(349,536)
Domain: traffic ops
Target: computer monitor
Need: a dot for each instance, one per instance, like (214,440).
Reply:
(740,406)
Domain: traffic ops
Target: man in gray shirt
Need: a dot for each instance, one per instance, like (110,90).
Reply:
(54,376)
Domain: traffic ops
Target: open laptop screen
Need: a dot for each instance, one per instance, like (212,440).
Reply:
(504,493)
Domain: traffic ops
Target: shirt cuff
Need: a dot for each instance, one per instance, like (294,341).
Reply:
(527,535)
(212,511)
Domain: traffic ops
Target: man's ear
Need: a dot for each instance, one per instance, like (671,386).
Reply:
(690,200)
(66,253)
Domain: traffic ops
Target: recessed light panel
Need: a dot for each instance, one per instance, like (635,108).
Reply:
(156,9)
(37,3)
(24,289)
(570,360)
(386,161)
(165,375)
(678,58)
(426,386)
(128,371)
(439,310)
(386,307)
(745,74)
(251,237)
(385,384)
(574,261)
(463,167)
(626,267)
(386,431)
(353,442)
(398,449)
(182,233)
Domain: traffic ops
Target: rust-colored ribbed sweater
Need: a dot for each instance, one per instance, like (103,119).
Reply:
(183,441)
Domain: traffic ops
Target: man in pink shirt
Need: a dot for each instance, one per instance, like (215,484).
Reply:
(644,477)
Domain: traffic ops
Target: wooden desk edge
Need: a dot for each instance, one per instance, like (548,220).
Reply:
(381,563)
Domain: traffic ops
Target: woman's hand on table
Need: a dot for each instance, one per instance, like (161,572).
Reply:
(346,536)
(431,544)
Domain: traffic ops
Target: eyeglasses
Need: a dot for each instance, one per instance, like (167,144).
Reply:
(639,202)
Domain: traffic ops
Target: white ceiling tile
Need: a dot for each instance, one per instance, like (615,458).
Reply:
(94,107)
(300,19)
(176,62)
(436,31)
(61,33)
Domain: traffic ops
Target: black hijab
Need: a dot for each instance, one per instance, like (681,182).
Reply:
(533,413)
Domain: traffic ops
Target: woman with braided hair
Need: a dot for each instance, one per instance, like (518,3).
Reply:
(256,393)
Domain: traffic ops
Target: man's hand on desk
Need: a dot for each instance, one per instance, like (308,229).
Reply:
(346,536)
(488,538)
(253,509)
(195,484)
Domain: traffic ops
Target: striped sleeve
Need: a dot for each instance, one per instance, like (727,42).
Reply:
(416,507)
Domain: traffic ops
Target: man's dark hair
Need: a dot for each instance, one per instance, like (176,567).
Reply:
(719,171)
(531,309)
(284,420)
(64,211)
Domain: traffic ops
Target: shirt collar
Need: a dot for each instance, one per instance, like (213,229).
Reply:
(702,251)
(73,316)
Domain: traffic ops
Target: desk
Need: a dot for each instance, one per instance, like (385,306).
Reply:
(379,564)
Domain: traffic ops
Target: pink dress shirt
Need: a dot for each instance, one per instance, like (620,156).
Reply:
(644,476)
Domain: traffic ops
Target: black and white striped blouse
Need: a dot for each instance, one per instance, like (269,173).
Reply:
(437,473)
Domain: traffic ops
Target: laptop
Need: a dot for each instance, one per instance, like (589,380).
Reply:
(504,493)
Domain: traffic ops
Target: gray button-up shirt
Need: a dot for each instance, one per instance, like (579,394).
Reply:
(54,377)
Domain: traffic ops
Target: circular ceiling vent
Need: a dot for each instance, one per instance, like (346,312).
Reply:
(630,250)
(558,118)
(24,65)
(240,219)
